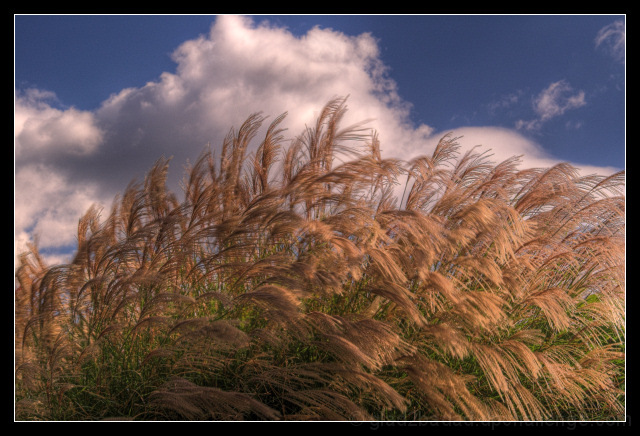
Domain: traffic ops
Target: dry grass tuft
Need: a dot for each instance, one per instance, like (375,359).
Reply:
(291,283)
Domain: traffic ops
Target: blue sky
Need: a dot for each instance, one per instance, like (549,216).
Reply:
(100,98)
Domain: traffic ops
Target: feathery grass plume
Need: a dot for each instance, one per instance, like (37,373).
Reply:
(186,400)
(291,283)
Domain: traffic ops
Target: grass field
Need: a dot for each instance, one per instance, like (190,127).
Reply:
(296,283)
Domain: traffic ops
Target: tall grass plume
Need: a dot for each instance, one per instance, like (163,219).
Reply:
(321,281)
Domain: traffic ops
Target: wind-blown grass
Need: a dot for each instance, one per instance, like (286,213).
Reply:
(294,284)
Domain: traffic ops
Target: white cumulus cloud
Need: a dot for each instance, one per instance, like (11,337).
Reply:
(241,67)
(41,129)
(48,207)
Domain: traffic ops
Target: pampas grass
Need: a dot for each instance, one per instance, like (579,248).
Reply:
(292,283)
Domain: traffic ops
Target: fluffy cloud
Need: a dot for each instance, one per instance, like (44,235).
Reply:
(611,39)
(240,68)
(552,102)
(65,159)
(43,130)
(556,100)
(47,207)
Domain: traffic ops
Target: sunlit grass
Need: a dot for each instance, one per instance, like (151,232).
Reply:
(296,284)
